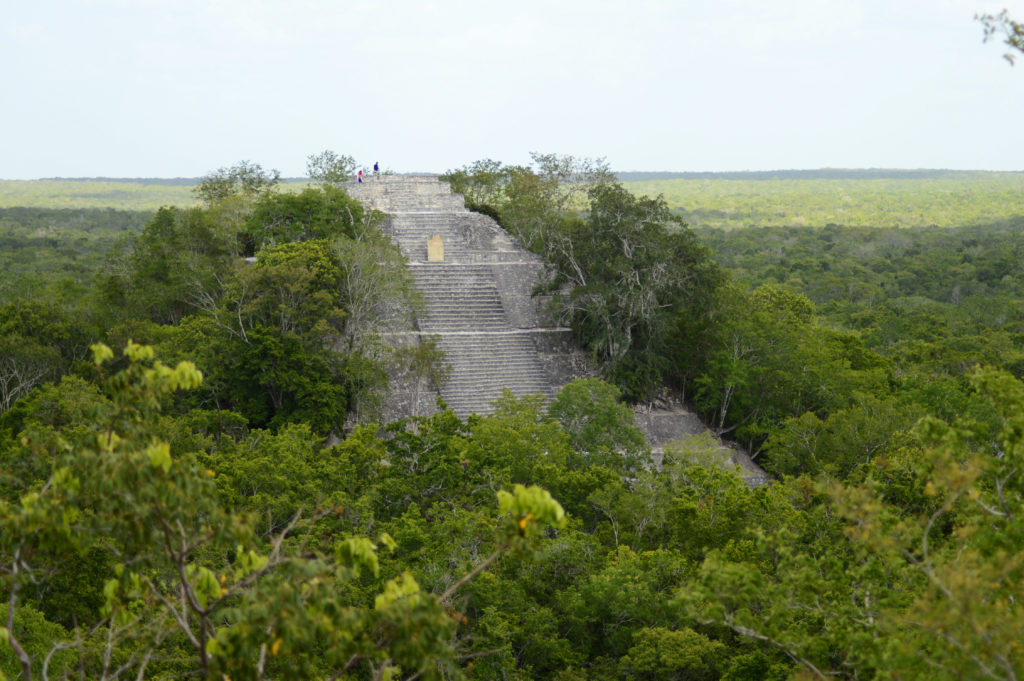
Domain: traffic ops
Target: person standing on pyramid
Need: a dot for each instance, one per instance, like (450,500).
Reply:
(376,170)
(359,176)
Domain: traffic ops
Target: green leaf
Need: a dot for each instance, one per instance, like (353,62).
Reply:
(159,454)
(401,589)
(101,353)
(357,553)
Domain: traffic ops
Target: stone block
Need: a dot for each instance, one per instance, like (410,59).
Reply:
(435,249)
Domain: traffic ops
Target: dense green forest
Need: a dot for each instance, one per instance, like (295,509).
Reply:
(43,247)
(189,504)
(95,193)
(128,194)
(845,198)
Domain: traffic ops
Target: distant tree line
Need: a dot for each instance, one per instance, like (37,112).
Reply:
(817,174)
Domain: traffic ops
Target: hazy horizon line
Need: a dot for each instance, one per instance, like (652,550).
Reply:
(682,174)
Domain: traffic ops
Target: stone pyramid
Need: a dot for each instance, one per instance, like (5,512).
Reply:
(477,286)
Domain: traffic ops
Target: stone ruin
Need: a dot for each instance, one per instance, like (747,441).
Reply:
(477,285)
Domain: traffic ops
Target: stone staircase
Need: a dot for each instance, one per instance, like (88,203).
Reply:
(486,363)
(459,297)
(478,298)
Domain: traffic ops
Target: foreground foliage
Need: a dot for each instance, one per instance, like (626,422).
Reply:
(927,581)
(187,585)
(136,542)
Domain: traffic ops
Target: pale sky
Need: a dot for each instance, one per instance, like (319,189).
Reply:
(169,88)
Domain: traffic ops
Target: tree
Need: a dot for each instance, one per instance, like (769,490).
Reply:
(268,340)
(375,289)
(761,359)
(602,429)
(244,178)
(870,427)
(481,182)
(24,364)
(39,341)
(314,213)
(422,364)
(568,179)
(1002,25)
(180,257)
(530,201)
(662,654)
(329,168)
(631,269)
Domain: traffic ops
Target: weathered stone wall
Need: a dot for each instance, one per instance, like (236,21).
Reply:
(515,282)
